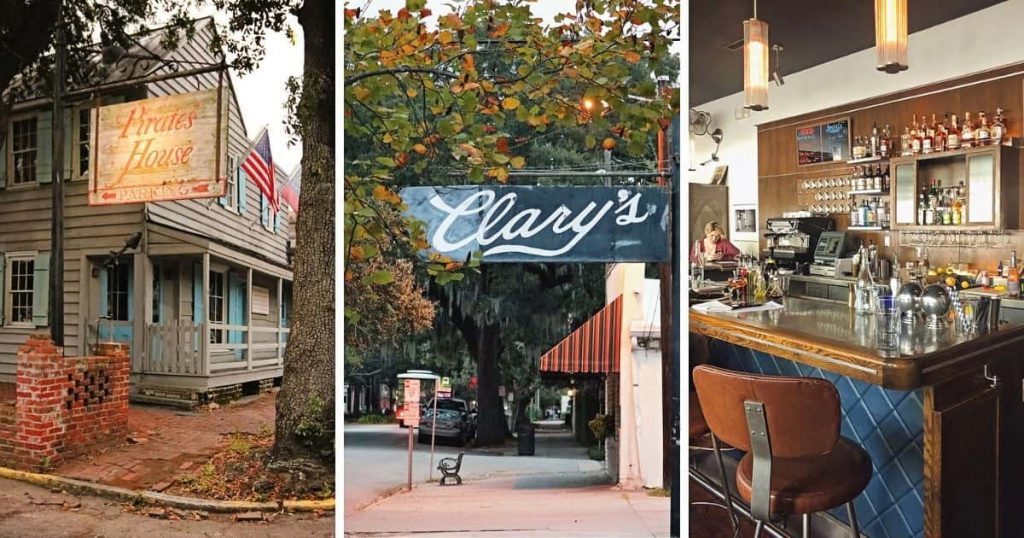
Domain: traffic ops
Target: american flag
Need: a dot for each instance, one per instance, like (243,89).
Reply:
(259,166)
(291,189)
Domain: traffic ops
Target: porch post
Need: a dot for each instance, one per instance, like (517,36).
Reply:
(248,319)
(142,308)
(280,321)
(204,342)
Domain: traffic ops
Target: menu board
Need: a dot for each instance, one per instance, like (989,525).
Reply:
(823,143)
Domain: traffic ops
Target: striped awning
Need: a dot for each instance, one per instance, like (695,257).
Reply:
(593,348)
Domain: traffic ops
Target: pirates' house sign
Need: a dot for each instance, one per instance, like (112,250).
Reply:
(523,223)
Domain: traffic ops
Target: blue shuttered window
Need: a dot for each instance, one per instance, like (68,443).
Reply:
(197,292)
(41,290)
(44,145)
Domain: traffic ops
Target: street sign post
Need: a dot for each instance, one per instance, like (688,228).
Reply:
(412,418)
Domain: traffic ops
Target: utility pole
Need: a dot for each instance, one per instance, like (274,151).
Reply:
(56,302)
(669,359)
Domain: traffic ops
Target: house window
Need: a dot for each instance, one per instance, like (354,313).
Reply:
(20,283)
(118,303)
(82,148)
(24,143)
(217,305)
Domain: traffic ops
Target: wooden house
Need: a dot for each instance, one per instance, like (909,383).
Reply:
(204,298)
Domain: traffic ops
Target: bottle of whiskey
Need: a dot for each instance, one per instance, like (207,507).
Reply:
(939,144)
(874,139)
(883,143)
(967,133)
(915,138)
(998,127)
(905,142)
(982,135)
(953,136)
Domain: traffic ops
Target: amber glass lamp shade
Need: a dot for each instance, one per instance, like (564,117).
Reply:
(891,35)
(755,64)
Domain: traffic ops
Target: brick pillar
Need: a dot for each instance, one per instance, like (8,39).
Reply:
(39,418)
(114,416)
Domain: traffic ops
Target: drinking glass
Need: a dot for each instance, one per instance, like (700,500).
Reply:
(887,323)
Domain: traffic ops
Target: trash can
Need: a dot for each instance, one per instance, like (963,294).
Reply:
(526,439)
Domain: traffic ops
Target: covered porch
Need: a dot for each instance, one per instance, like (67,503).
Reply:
(201,319)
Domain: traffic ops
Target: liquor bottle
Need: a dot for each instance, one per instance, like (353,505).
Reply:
(961,194)
(865,286)
(998,127)
(957,215)
(999,268)
(928,140)
(865,213)
(1013,282)
(882,213)
(967,133)
(874,139)
(953,137)
(915,138)
(878,177)
(883,143)
(1013,257)
(982,135)
(922,208)
(885,179)
(940,135)
(905,142)
(854,215)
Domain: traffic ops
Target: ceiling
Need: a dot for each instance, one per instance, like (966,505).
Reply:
(812,31)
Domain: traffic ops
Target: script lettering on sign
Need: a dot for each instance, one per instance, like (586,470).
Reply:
(165,148)
(519,223)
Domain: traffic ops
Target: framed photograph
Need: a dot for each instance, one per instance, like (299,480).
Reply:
(720,174)
(744,222)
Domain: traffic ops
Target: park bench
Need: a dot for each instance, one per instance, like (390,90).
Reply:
(449,467)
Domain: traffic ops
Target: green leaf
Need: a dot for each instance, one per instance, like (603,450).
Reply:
(379,278)
(415,5)
(386,161)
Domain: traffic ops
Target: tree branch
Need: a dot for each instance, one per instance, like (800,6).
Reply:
(398,71)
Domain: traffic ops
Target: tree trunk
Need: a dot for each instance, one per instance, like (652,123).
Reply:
(491,417)
(305,405)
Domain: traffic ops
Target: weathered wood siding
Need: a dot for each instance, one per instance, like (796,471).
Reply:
(25,227)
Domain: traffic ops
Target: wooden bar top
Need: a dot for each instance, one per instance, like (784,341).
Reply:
(831,336)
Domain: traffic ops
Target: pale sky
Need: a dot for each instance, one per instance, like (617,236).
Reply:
(262,93)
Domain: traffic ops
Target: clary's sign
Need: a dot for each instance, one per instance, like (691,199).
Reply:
(523,223)
(165,148)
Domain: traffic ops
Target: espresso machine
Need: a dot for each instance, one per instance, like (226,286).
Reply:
(791,241)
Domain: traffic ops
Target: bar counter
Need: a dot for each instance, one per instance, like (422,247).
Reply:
(832,337)
(945,440)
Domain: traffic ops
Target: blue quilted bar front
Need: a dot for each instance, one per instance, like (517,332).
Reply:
(889,424)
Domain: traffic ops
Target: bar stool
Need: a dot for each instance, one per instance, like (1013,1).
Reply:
(699,429)
(796,461)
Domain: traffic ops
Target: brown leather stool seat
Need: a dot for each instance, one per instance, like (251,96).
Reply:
(797,463)
(698,424)
(811,483)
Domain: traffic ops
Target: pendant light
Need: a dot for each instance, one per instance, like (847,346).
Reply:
(755,63)
(891,35)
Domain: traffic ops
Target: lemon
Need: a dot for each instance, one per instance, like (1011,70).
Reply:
(950,281)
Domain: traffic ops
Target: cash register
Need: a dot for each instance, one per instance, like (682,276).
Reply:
(827,254)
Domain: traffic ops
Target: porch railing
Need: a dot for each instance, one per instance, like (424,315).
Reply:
(174,348)
(177,348)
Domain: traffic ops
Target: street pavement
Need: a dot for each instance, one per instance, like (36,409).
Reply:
(577,505)
(376,461)
(28,511)
(556,492)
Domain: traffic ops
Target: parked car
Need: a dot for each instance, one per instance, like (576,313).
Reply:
(455,421)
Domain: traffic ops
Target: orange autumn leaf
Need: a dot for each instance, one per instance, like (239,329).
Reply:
(502,145)
(420,148)
(424,13)
(468,64)
(631,56)
(452,266)
(501,30)
(453,20)
(403,14)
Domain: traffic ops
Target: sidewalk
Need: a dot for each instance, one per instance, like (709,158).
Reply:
(167,442)
(577,504)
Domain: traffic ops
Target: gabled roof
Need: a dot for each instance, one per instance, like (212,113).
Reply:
(135,65)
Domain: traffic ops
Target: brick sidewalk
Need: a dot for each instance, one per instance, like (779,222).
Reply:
(168,442)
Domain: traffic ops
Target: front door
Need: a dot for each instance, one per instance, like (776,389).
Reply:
(115,302)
